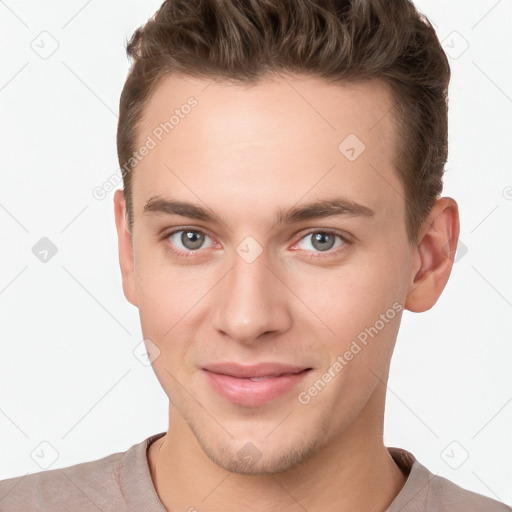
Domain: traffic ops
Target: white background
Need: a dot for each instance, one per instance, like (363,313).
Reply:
(68,374)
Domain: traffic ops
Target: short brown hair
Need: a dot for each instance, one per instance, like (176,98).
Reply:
(337,40)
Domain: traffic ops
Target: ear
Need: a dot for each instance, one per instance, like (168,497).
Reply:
(434,255)
(125,247)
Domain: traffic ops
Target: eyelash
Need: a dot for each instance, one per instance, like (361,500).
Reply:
(325,254)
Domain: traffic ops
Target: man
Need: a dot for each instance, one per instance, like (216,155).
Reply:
(282,166)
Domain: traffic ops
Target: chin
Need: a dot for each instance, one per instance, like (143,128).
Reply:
(255,456)
(249,460)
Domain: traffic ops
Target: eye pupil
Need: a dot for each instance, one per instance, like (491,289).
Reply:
(192,240)
(321,239)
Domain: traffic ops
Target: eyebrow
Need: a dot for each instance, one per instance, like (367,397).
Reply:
(314,210)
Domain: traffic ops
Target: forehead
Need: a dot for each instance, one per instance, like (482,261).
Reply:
(267,105)
(300,135)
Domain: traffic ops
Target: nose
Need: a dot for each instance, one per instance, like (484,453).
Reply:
(251,302)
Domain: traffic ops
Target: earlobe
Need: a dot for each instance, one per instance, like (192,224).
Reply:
(125,245)
(434,255)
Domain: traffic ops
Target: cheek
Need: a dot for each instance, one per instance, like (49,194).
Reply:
(356,303)
(162,304)
(162,312)
(169,297)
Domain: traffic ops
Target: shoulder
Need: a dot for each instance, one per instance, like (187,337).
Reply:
(445,495)
(428,492)
(83,487)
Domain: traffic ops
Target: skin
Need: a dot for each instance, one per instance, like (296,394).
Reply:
(245,152)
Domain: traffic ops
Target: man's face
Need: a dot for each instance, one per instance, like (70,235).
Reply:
(247,289)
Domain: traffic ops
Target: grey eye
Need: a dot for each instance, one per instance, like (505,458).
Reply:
(192,240)
(322,241)
(188,239)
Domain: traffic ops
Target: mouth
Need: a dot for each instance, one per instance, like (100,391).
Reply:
(254,385)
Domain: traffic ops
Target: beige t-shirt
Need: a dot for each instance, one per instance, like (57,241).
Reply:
(121,482)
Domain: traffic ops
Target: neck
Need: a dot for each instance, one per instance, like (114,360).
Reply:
(353,471)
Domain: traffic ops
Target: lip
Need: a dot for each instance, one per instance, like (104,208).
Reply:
(232,381)
(245,371)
